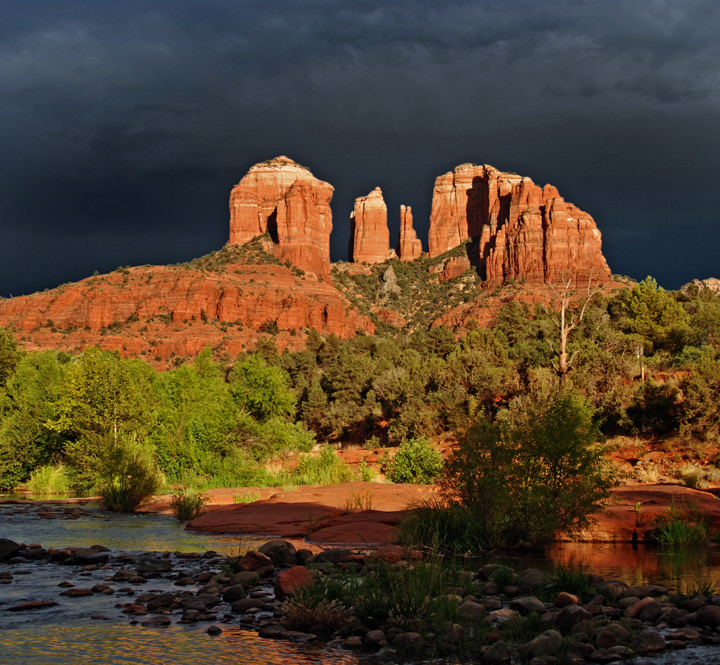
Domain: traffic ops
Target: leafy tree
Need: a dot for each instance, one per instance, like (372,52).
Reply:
(700,408)
(261,389)
(415,461)
(533,471)
(32,393)
(10,355)
(652,313)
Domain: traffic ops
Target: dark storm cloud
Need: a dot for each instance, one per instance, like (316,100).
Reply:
(124,125)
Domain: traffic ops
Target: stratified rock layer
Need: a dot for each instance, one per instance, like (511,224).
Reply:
(409,246)
(287,201)
(161,313)
(369,234)
(520,231)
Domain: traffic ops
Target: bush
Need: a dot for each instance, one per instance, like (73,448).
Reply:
(531,473)
(49,480)
(128,475)
(323,469)
(187,505)
(415,461)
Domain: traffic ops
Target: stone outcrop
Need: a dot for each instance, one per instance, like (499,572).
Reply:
(369,234)
(519,230)
(409,246)
(160,313)
(287,201)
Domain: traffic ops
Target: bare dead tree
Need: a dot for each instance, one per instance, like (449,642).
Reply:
(568,320)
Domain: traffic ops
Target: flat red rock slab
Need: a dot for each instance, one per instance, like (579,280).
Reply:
(321,513)
(618,522)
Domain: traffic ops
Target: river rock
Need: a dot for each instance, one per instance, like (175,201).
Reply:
(571,615)
(497,653)
(563,599)
(209,600)
(160,601)
(159,621)
(8,548)
(76,592)
(214,630)
(246,604)
(470,609)
(87,556)
(650,642)
(547,644)
(32,605)
(334,555)
(527,604)
(233,593)
(647,609)
(246,578)
(375,639)
(281,552)
(152,567)
(289,581)
(706,616)
(253,561)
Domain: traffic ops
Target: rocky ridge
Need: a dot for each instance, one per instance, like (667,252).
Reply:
(487,228)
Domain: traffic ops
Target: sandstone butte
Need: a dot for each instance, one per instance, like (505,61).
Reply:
(409,245)
(519,230)
(369,233)
(287,201)
(273,275)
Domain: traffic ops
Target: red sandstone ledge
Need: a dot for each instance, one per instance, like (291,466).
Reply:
(319,514)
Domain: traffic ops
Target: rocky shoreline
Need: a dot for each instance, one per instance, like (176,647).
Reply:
(611,622)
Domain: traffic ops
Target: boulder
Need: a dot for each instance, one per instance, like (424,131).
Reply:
(8,548)
(280,552)
(292,579)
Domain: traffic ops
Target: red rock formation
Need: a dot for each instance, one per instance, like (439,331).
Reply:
(160,312)
(369,234)
(284,199)
(454,267)
(522,231)
(409,246)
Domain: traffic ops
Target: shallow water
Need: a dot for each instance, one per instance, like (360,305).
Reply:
(97,643)
(66,633)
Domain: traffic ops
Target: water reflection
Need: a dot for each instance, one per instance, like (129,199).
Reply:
(91,644)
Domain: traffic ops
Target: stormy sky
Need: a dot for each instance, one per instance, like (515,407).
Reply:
(124,124)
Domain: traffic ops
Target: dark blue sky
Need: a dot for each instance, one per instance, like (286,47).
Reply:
(124,125)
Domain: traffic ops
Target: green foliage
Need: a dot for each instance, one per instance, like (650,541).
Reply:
(653,314)
(187,505)
(10,355)
(415,461)
(532,472)
(323,469)
(572,577)
(261,390)
(700,415)
(49,480)
(680,528)
(127,475)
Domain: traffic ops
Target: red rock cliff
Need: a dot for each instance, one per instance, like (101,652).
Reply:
(369,234)
(522,231)
(409,246)
(287,201)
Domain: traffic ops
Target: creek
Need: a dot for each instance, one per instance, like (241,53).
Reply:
(67,633)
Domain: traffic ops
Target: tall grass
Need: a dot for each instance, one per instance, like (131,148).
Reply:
(677,527)
(572,577)
(50,480)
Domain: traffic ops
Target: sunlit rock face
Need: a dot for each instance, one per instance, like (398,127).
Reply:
(369,234)
(519,230)
(285,200)
(409,246)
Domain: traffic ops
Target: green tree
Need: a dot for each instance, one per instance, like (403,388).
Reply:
(533,471)
(10,355)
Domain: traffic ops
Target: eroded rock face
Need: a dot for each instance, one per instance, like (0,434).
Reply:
(160,313)
(369,234)
(409,246)
(521,231)
(287,201)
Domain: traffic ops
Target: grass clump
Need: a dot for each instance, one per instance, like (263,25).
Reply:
(50,480)
(677,527)
(572,577)
(298,614)
(415,461)
(187,504)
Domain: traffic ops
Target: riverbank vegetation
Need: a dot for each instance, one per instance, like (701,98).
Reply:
(215,422)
